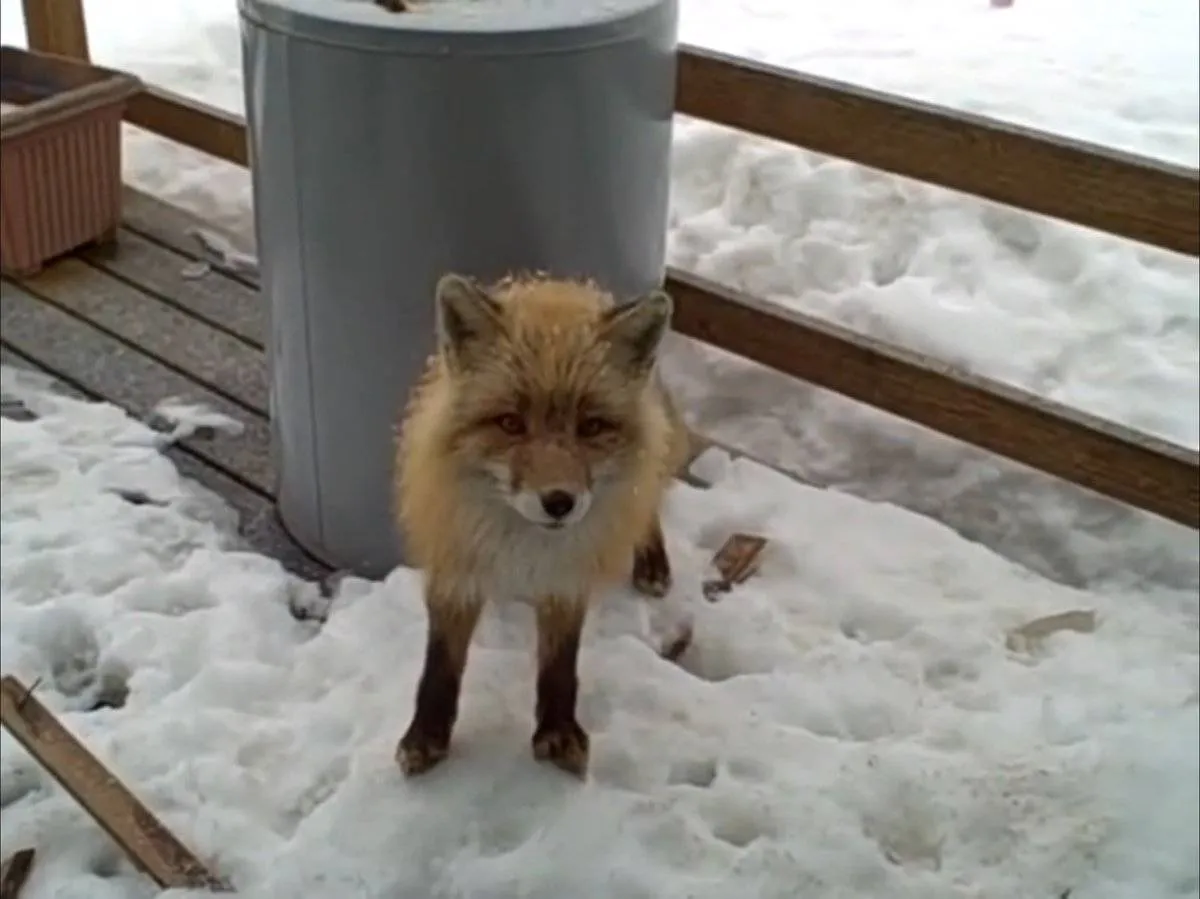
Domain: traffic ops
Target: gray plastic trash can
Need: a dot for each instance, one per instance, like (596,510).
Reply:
(479,136)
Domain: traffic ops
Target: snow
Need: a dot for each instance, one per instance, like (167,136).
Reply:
(849,722)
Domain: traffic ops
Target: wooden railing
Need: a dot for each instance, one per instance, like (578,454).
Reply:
(1148,201)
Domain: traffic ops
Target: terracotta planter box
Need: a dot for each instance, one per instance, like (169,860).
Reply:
(60,156)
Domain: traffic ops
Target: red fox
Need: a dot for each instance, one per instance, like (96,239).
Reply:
(531,466)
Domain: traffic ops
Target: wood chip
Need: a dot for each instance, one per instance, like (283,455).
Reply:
(674,648)
(14,872)
(194,271)
(142,837)
(1025,637)
(735,561)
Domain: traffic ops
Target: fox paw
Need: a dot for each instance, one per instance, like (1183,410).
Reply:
(563,745)
(418,752)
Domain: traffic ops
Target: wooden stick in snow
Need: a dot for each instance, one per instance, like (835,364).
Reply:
(735,561)
(14,872)
(142,837)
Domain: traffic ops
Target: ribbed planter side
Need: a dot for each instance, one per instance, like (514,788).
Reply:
(60,157)
(60,188)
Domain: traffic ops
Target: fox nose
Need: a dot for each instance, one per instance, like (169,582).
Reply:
(557,503)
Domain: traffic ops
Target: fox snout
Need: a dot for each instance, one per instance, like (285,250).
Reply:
(556,507)
(547,483)
(552,507)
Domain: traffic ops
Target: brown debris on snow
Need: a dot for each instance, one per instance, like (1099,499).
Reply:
(736,560)
(14,872)
(142,837)
(1029,635)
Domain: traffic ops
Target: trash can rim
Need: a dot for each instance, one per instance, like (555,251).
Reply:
(442,28)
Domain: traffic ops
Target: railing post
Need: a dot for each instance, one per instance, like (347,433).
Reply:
(56,26)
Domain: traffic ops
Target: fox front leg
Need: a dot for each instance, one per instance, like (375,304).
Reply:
(558,738)
(651,567)
(452,622)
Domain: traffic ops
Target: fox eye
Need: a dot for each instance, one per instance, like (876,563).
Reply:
(593,426)
(510,423)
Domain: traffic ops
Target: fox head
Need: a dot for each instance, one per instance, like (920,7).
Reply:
(548,390)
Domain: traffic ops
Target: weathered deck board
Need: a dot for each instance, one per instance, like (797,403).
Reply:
(105,367)
(258,524)
(225,364)
(127,326)
(168,226)
(222,302)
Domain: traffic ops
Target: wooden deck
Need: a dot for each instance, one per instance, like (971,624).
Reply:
(127,325)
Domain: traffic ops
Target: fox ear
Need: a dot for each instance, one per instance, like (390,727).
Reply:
(636,329)
(466,315)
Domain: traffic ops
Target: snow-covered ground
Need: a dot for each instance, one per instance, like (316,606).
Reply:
(850,723)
